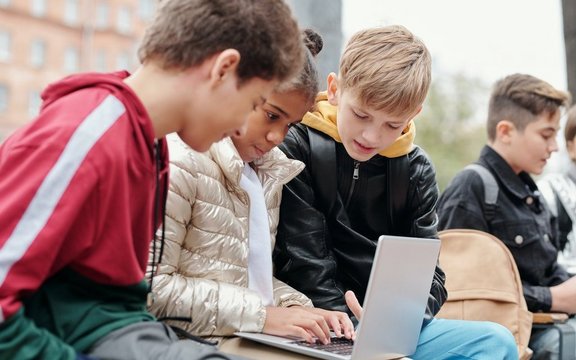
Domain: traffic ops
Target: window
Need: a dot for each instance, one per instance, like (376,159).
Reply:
(123,20)
(38,53)
(146,9)
(5,45)
(34,103)
(71,12)
(38,7)
(71,60)
(101,15)
(123,61)
(100,61)
(3,98)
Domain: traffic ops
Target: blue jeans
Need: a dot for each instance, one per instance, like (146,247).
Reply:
(458,339)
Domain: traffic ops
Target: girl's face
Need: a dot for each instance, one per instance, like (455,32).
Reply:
(268,124)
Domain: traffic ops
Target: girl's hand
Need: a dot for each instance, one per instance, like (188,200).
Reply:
(298,322)
(338,321)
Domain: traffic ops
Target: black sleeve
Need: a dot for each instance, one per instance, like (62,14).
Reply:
(422,201)
(303,256)
(461,205)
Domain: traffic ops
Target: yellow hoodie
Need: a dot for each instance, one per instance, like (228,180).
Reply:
(324,119)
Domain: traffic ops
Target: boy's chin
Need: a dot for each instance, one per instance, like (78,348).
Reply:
(536,172)
(196,144)
(359,155)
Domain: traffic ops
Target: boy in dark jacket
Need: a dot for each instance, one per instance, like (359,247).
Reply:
(356,144)
(83,185)
(523,119)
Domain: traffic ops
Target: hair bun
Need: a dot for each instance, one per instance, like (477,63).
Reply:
(313,41)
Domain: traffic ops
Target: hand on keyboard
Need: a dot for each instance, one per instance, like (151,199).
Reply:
(338,345)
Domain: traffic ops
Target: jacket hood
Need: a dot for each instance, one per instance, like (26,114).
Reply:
(112,83)
(72,83)
(324,116)
(273,167)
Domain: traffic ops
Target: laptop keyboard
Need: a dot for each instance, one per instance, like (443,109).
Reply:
(341,346)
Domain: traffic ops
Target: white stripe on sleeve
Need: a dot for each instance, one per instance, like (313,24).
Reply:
(55,183)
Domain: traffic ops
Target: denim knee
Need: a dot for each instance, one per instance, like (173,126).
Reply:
(462,339)
(499,338)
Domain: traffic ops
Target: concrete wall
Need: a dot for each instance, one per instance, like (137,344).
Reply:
(324,16)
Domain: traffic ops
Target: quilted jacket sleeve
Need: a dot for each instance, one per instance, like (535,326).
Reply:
(285,295)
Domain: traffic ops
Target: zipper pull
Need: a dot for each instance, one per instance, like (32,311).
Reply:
(356,174)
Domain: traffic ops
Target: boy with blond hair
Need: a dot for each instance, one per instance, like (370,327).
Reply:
(364,177)
(83,185)
(523,119)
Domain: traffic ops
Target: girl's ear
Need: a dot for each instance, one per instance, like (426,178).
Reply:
(333,89)
(224,66)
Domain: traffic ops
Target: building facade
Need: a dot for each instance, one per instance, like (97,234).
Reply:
(44,40)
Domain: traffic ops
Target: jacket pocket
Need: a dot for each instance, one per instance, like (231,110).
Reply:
(517,235)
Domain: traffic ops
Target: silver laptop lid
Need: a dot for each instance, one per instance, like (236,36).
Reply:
(396,297)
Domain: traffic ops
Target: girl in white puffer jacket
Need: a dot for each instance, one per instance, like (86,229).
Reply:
(215,275)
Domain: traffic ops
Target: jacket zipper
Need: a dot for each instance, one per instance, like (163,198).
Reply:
(355,177)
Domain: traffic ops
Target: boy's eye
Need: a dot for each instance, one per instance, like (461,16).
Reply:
(394,126)
(359,116)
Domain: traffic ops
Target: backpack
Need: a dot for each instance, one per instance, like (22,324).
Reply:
(483,283)
(482,279)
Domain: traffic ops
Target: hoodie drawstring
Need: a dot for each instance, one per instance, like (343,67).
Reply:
(157,199)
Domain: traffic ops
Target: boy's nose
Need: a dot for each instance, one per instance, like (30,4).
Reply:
(371,135)
(553,145)
(241,131)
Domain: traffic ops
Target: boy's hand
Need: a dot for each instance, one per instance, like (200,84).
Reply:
(563,296)
(353,304)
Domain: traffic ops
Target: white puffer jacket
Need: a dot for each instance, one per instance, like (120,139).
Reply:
(203,274)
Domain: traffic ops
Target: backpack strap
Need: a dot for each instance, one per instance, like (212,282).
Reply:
(323,166)
(490,188)
(397,187)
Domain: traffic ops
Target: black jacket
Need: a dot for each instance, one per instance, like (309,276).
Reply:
(520,220)
(324,250)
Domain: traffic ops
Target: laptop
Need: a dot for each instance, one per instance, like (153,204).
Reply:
(394,305)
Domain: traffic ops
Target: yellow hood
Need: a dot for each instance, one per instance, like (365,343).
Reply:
(323,119)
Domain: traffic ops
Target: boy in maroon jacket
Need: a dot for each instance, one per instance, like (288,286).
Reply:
(83,185)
